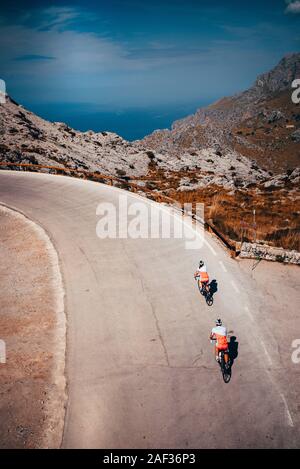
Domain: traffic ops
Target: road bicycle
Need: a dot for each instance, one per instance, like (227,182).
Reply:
(206,292)
(225,365)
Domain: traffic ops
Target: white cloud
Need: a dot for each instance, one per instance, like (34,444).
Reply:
(293,7)
(96,67)
(54,17)
(60,16)
(50,33)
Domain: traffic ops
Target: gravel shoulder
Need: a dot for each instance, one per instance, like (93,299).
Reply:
(32,324)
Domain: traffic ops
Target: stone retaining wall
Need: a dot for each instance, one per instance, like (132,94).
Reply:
(263,251)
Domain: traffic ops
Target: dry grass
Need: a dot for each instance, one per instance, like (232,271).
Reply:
(277,215)
(277,210)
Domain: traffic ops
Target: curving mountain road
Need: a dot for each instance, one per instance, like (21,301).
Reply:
(140,368)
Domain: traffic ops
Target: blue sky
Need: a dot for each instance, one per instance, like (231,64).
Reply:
(117,56)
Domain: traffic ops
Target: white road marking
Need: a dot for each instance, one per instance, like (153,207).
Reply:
(223,266)
(283,398)
(266,352)
(235,286)
(249,313)
(288,413)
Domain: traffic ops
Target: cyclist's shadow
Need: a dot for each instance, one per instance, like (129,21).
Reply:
(233,347)
(213,287)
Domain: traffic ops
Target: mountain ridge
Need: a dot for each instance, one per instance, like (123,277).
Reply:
(250,122)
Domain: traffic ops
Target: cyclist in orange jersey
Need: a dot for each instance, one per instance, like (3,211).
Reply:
(202,276)
(219,334)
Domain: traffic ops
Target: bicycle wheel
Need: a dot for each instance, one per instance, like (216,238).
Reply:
(209,299)
(226,370)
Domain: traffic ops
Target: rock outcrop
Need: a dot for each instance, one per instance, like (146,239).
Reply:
(26,138)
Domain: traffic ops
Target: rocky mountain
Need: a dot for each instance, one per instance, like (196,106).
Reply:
(237,141)
(26,138)
(261,124)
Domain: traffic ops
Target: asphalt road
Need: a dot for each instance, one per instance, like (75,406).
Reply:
(140,368)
